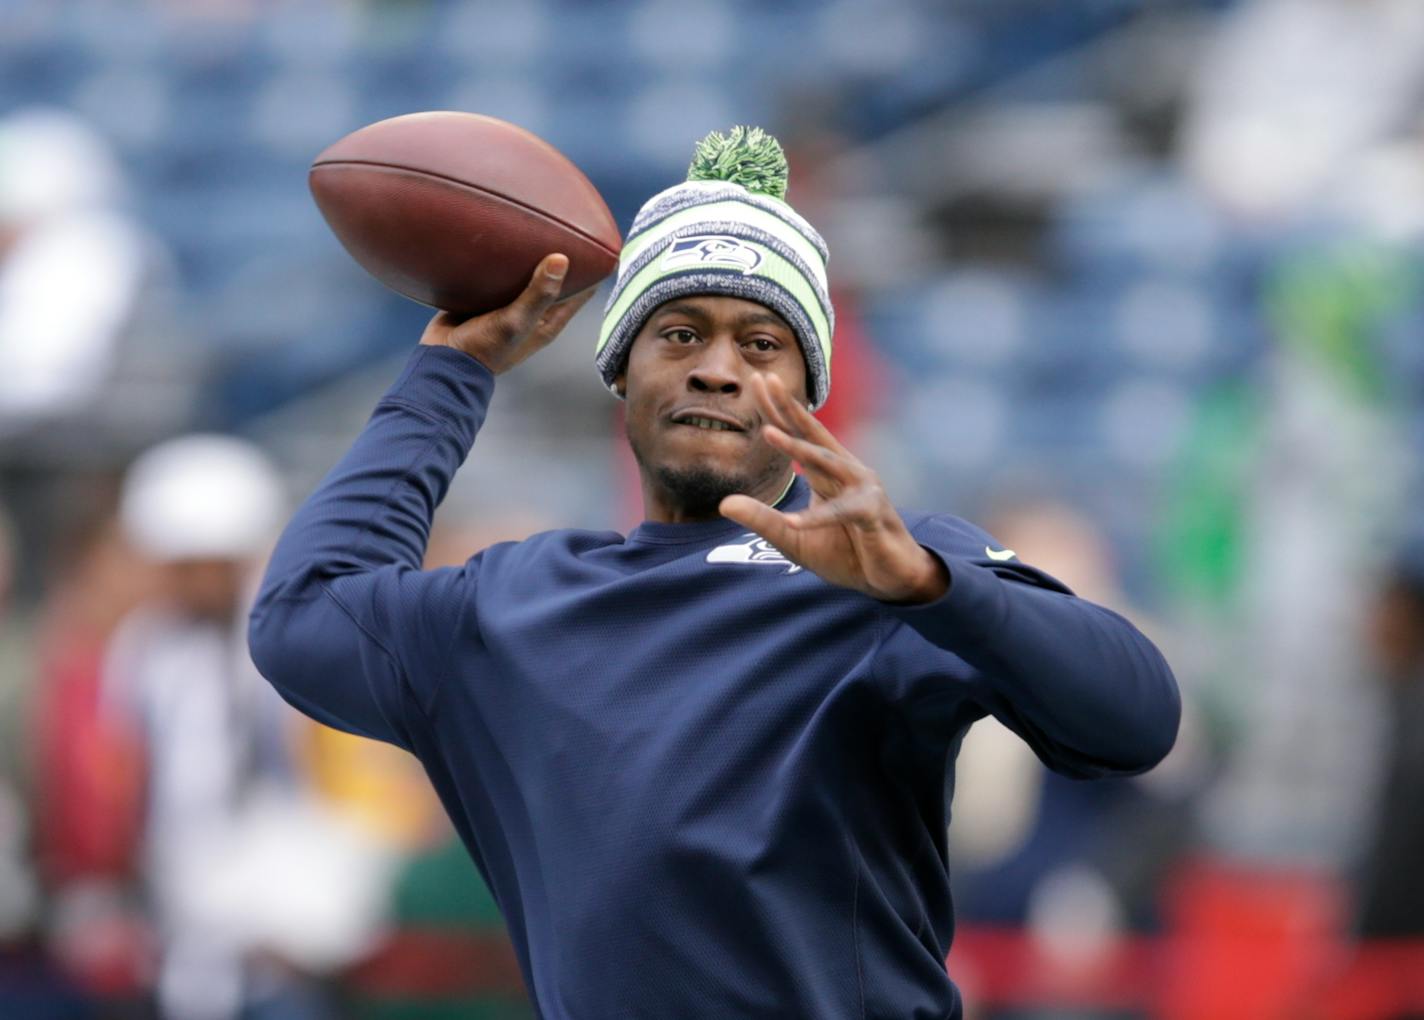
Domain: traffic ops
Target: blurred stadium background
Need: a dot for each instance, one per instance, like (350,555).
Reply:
(1136,284)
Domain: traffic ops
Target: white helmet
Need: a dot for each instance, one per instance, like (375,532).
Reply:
(201,497)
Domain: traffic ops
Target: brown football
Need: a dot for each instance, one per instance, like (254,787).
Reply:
(456,209)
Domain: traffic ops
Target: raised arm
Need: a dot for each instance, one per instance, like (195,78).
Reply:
(347,626)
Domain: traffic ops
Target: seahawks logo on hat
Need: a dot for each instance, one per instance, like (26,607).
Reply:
(711,250)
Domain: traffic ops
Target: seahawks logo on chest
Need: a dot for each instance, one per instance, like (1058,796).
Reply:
(752,548)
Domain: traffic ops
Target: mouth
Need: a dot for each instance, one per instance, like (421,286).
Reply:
(707,421)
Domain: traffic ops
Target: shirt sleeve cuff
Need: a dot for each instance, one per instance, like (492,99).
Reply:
(968,610)
(448,387)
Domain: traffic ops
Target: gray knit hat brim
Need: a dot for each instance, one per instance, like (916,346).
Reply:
(613,358)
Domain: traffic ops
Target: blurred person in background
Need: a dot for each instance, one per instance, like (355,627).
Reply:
(86,767)
(1293,99)
(29,985)
(1293,475)
(85,304)
(86,779)
(701,765)
(65,243)
(250,881)
(16,639)
(1379,976)
(1391,891)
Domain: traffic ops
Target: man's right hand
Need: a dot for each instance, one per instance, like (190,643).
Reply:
(503,338)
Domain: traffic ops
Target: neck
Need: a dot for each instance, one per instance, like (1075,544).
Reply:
(666,505)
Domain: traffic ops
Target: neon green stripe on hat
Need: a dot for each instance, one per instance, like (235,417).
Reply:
(772,267)
(735,212)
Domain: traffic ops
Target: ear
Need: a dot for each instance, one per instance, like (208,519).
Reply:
(620,383)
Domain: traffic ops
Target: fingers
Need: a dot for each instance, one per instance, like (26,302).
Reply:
(794,418)
(503,338)
(783,530)
(543,290)
(438,329)
(754,515)
(837,512)
(559,314)
(551,324)
(770,406)
(830,467)
(817,459)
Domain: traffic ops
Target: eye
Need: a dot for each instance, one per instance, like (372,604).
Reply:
(680,335)
(764,345)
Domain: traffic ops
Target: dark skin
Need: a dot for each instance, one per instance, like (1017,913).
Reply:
(209,589)
(737,361)
(694,357)
(1396,629)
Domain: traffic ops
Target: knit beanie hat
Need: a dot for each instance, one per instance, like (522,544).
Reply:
(727,230)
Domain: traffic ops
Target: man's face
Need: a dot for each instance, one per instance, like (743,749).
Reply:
(694,359)
(208,589)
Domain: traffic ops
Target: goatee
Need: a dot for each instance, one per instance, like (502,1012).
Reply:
(699,491)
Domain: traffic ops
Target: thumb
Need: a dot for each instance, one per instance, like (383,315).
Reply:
(754,515)
(551,324)
(542,291)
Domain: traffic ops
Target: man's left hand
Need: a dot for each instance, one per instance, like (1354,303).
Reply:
(850,534)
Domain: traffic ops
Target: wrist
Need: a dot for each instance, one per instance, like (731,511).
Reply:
(931,584)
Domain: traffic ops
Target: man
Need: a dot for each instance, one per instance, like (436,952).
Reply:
(200,509)
(238,928)
(702,766)
(1391,887)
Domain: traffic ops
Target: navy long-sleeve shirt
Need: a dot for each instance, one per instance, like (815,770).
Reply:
(701,781)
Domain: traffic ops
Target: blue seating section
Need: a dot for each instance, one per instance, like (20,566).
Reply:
(1150,296)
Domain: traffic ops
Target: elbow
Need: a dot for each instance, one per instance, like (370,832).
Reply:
(262,637)
(1153,702)
(279,625)
(1157,724)
(1126,717)
(1146,733)
(1162,734)
(1150,742)
(268,642)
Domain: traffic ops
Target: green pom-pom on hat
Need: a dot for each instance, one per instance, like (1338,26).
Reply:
(727,230)
(745,155)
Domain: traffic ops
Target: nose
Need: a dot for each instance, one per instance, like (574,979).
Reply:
(718,370)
